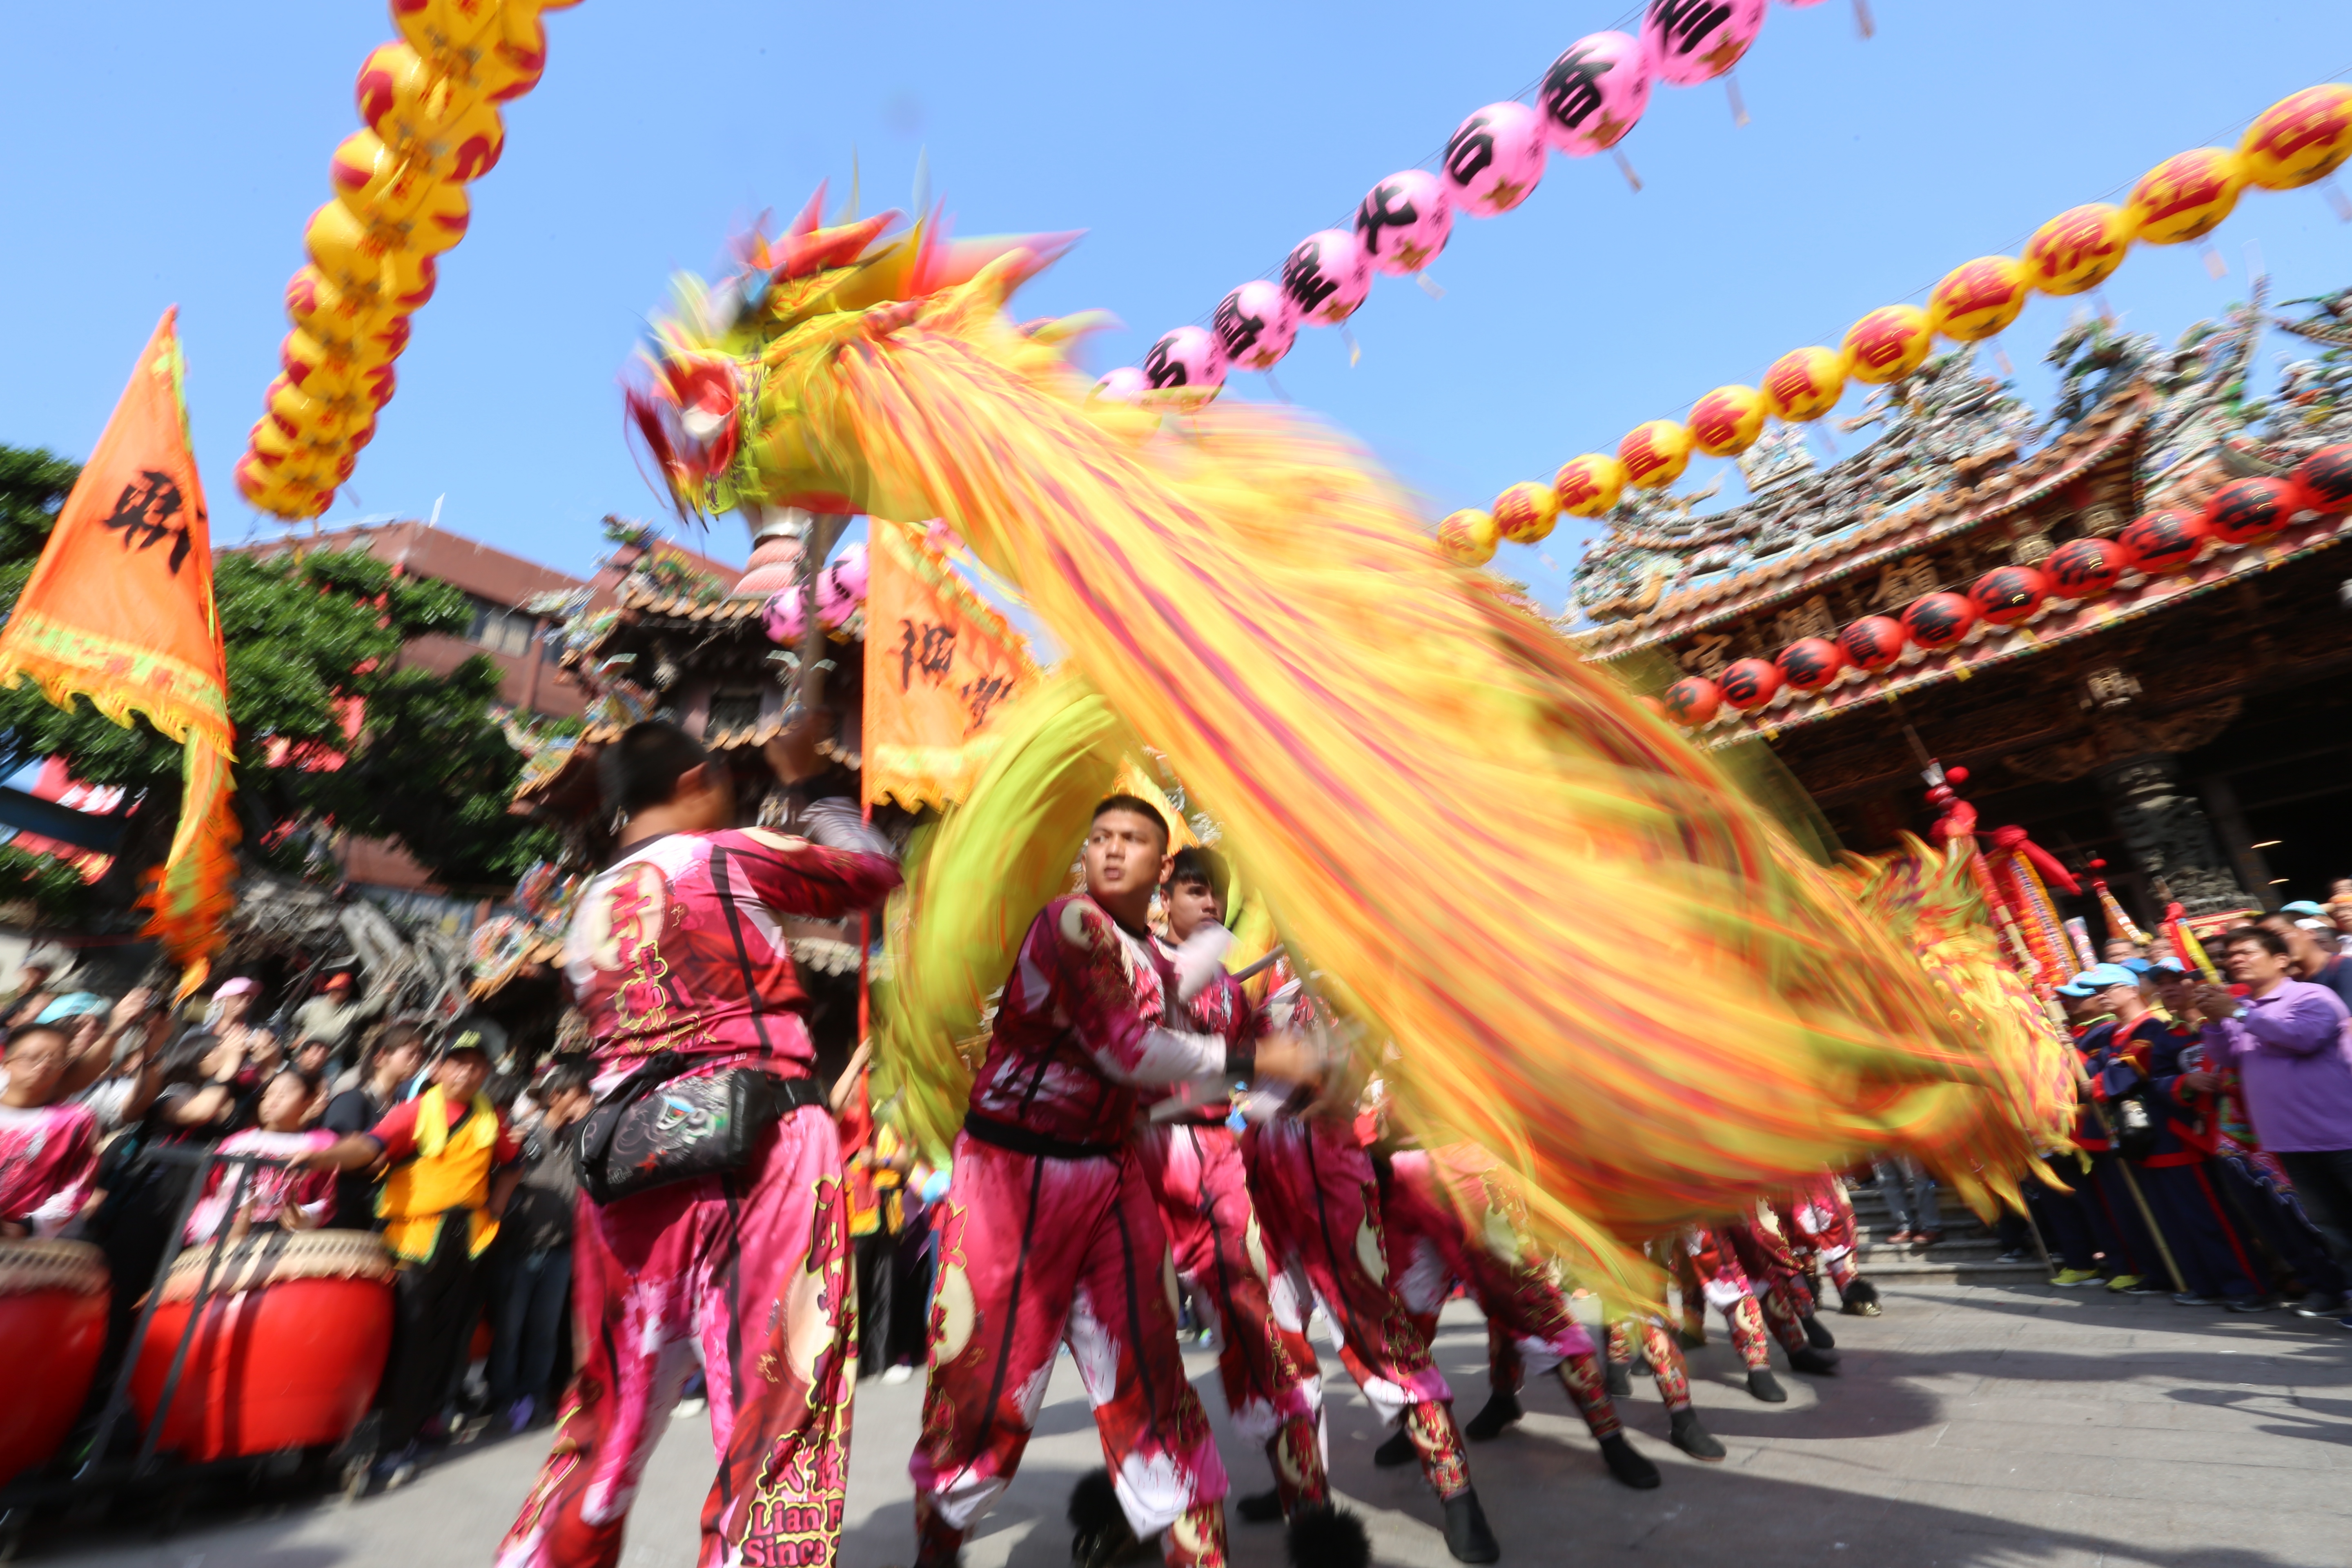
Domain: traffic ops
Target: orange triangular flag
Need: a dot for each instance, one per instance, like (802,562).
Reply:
(120,610)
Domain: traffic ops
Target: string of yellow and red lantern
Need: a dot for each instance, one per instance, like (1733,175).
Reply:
(431,102)
(2297,141)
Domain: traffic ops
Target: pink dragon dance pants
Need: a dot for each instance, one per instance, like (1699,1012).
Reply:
(1035,1250)
(751,1270)
(1432,1249)
(1319,1203)
(1273,1381)
(1818,1220)
(1707,1271)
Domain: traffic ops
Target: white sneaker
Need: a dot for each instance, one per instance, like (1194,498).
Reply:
(897,1374)
(686,1407)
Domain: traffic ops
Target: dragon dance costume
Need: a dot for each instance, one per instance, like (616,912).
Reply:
(677,948)
(1272,1382)
(1050,1232)
(1318,1201)
(1433,1247)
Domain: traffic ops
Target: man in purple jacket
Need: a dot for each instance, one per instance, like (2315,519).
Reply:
(2292,1042)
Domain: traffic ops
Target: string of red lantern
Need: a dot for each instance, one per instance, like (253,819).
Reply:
(2299,141)
(2240,514)
(1586,102)
(431,102)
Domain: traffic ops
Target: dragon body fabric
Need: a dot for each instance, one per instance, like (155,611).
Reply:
(1593,955)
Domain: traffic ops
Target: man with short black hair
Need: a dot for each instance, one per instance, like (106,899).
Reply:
(2312,958)
(679,959)
(449,1160)
(1050,1231)
(2292,1044)
(394,1054)
(1272,1379)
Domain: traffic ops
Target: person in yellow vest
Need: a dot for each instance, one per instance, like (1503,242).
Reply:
(451,1163)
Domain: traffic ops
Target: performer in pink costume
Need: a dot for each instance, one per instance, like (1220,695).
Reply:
(1818,1220)
(1437,1205)
(1706,1264)
(1318,1201)
(1786,1297)
(677,948)
(1192,1159)
(1050,1232)
(48,1153)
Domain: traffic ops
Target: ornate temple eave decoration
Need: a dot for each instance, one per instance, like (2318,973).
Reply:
(1997,646)
(1871,545)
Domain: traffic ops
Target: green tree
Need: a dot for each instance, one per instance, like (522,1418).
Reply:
(333,734)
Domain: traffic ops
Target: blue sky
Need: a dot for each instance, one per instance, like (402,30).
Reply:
(165,153)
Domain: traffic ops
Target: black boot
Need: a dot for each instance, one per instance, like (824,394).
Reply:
(1466,1535)
(1398,1450)
(1814,1361)
(1322,1536)
(1100,1531)
(1766,1388)
(1260,1507)
(1502,1409)
(1626,1465)
(1860,1299)
(1619,1381)
(1691,1437)
(1820,1338)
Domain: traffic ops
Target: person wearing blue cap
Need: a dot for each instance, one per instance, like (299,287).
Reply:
(2252,1183)
(2108,1206)
(2066,1209)
(2169,1146)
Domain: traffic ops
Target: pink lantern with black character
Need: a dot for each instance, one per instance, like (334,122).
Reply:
(1404,221)
(1256,324)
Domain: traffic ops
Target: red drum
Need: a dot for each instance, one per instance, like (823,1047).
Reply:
(53,1297)
(289,1349)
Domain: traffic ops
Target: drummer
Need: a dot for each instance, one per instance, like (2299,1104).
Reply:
(275,1194)
(48,1151)
(451,1166)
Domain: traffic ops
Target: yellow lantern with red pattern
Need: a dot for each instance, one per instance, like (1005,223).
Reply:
(1804,383)
(1589,485)
(1524,513)
(1468,536)
(2300,138)
(1655,453)
(1978,299)
(1888,344)
(1727,421)
(2186,196)
(2079,250)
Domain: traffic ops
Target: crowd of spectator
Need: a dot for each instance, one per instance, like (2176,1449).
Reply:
(352,1121)
(2215,1126)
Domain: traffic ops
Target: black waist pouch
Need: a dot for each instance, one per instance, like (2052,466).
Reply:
(659,1126)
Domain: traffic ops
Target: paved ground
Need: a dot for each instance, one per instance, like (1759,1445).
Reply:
(1973,1425)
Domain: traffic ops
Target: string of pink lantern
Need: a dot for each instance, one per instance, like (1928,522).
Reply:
(1591,96)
